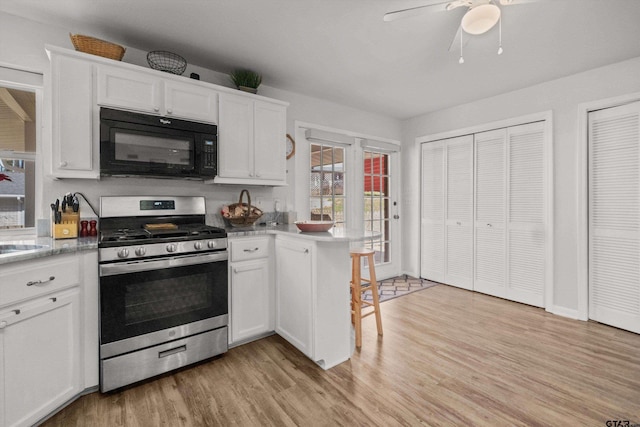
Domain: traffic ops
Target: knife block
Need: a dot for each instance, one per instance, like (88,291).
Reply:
(68,228)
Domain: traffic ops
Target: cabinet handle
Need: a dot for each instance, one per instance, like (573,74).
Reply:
(251,174)
(156,109)
(63,164)
(489,225)
(41,282)
(3,324)
(252,250)
(459,223)
(306,251)
(258,175)
(169,111)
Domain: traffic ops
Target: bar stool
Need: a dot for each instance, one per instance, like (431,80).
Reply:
(357,290)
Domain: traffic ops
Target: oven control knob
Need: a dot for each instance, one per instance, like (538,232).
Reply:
(171,247)
(141,251)
(123,253)
(212,244)
(197,245)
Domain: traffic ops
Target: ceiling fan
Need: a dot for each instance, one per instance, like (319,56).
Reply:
(480,17)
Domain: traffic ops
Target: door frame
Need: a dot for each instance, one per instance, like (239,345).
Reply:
(547,117)
(582,313)
(355,181)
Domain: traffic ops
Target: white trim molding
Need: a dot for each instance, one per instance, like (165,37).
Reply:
(582,199)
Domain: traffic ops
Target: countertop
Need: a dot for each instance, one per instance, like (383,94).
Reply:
(52,246)
(333,235)
(49,247)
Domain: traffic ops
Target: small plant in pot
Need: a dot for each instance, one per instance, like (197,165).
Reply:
(246,80)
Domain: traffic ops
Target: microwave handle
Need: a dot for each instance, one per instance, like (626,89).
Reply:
(146,265)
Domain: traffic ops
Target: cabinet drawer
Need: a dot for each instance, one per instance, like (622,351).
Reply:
(29,279)
(244,249)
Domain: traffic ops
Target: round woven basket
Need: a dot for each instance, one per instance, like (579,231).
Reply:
(246,214)
(96,46)
(166,61)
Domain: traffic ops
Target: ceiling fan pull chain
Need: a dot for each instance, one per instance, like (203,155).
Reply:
(500,50)
(461,60)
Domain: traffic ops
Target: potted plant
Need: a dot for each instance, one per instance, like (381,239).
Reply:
(246,80)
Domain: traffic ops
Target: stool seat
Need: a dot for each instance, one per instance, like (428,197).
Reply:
(357,289)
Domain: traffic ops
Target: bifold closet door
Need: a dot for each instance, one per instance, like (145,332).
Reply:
(432,216)
(526,213)
(490,208)
(447,211)
(614,216)
(459,212)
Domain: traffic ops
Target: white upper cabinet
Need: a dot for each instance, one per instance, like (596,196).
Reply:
(251,141)
(147,93)
(73,154)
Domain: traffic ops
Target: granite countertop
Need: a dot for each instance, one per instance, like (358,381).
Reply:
(49,247)
(333,235)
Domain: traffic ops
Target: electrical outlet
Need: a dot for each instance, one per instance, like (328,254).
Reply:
(277,206)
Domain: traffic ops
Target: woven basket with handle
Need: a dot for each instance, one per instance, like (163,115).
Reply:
(98,47)
(243,214)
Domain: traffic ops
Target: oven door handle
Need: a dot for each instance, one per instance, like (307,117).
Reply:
(156,264)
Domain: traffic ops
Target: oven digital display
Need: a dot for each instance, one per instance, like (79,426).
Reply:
(152,205)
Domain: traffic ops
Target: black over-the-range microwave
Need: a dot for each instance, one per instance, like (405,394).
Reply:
(133,144)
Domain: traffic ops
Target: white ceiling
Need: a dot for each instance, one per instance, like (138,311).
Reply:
(341,50)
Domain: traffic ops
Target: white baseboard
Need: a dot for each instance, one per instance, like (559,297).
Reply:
(565,312)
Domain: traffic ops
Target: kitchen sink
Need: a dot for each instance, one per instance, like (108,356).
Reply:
(9,248)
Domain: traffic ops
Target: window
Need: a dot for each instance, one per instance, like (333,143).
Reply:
(17,158)
(377,203)
(327,184)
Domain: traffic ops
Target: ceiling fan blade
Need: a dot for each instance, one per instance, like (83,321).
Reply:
(414,11)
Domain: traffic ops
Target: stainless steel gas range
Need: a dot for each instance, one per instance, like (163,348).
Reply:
(163,287)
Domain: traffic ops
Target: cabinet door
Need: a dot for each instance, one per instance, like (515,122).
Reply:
(40,358)
(72,115)
(250,299)
(191,102)
(294,293)
(270,134)
(129,90)
(459,212)
(433,191)
(235,137)
(490,182)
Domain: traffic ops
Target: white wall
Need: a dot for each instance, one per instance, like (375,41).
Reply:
(22,45)
(562,97)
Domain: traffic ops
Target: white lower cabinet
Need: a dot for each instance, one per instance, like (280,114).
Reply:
(251,295)
(312,298)
(48,335)
(294,293)
(40,356)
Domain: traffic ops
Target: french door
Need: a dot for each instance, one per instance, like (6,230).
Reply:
(614,216)
(380,209)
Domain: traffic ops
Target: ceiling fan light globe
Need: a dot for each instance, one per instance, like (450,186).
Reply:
(480,19)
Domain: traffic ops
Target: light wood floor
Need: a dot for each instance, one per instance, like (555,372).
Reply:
(448,357)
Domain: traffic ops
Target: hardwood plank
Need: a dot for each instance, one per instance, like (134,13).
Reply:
(448,357)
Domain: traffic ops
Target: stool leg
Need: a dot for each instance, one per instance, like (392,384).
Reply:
(357,300)
(374,293)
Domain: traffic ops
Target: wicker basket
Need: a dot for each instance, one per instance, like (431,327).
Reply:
(243,214)
(96,46)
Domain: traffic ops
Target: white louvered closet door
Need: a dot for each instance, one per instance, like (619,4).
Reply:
(614,216)
(459,212)
(432,216)
(526,213)
(490,205)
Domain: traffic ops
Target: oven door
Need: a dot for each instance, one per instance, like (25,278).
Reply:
(146,302)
